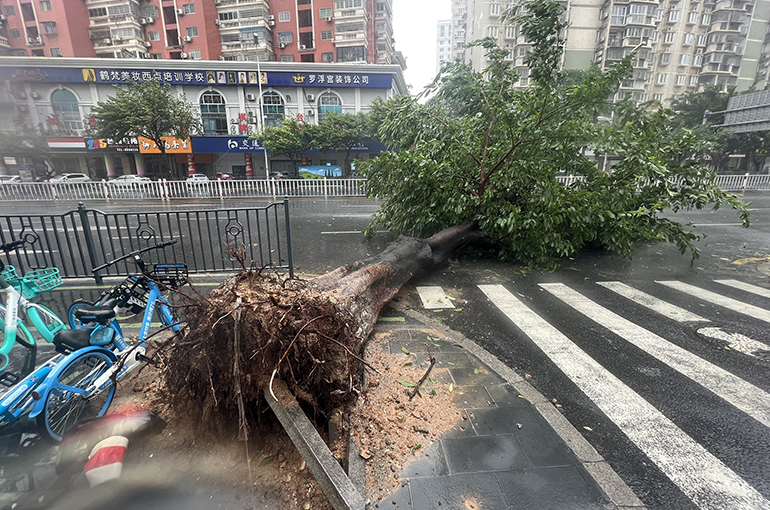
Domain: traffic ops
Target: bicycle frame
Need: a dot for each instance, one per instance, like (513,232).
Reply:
(23,390)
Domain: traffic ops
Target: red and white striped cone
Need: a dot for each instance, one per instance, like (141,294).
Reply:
(106,460)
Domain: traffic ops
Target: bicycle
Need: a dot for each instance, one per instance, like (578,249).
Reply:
(82,385)
(19,292)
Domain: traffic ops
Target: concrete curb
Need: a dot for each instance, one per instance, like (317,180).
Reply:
(339,489)
(613,486)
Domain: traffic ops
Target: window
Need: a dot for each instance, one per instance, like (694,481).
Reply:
(706,19)
(669,37)
(285,37)
(492,32)
(684,60)
(213,113)
(188,8)
(618,15)
(49,27)
(65,107)
(673,16)
(9,10)
(56,52)
(688,39)
(326,35)
(693,80)
(327,57)
(286,58)
(284,16)
(658,14)
(351,54)
(15,33)
(681,79)
(192,31)
(96,13)
(273,108)
(45,5)
(655,36)
(328,102)
(638,13)
(665,59)
(661,79)
(658,97)
(697,61)
(494,9)
(195,54)
(326,12)
(510,32)
(305,18)
(348,4)
(224,16)
(702,40)
(153,36)
(692,18)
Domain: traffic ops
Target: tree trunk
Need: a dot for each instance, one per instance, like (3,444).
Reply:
(309,333)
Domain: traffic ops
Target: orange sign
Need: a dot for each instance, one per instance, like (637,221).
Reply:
(173,145)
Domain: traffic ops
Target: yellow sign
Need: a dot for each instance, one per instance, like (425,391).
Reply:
(172,145)
(89,75)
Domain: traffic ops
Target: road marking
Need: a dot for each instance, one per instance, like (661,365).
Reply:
(434,298)
(759,291)
(746,397)
(735,341)
(651,302)
(713,297)
(717,224)
(706,480)
(353,232)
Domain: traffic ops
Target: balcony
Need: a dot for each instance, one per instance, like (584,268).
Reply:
(35,41)
(351,39)
(358,14)
(242,23)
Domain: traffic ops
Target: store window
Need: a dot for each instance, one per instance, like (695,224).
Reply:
(273,108)
(213,113)
(65,107)
(328,102)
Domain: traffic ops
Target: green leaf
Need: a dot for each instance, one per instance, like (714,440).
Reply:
(407,384)
(476,371)
(432,380)
(391,319)
(458,345)
(415,448)
(267,460)
(450,363)
(407,364)
(451,387)
(405,350)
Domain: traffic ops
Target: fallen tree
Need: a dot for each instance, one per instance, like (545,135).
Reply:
(477,164)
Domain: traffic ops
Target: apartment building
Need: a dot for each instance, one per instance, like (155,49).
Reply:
(267,30)
(443,43)
(681,44)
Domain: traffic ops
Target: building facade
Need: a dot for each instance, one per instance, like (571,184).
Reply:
(682,44)
(54,97)
(269,30)
(443,43)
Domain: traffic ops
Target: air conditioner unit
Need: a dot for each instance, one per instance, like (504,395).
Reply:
(147,44)
(271,23)
(217,22)
(107,41)
(251,97)
(2,17)
(146,55)
(150,21)
(217,2)
(310,113)
(34,95)
(117,39)
(282,45)
(187,38)
(310,97)
(142,21)
(221,57)
(328,19)
(302,47)
(183,55)
(180,12)
(271,17)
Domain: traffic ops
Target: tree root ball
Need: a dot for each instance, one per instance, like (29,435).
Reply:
(251,325)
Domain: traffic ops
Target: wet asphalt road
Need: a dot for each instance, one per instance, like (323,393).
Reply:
(325,236)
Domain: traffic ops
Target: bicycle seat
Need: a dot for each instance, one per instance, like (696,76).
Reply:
(70,340)
(101,314)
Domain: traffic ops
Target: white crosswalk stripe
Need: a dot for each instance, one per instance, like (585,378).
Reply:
(657,305)
(759,291)
(736,341)
(706,480)
(746,397)
(717,299)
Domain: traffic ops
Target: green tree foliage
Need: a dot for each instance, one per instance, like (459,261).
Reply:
(148,109)
(485,152)
(340,132)
(290,139)
(701,112)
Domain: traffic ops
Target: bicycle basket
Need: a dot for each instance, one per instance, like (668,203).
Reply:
(9,274)
(131,295)
(172,276)
(41,280)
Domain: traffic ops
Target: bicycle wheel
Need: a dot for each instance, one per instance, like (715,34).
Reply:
(67,403)
(73,322)
(23,336)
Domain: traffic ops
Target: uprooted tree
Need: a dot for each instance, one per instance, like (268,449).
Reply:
(477,164)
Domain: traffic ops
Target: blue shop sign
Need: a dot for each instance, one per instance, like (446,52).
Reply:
(224,144)
(196,77)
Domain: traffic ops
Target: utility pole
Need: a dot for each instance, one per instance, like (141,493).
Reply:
(261,107)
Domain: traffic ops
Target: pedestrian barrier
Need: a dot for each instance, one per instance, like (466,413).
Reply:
(82,239)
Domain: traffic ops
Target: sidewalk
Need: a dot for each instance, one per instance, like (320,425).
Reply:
(513,449)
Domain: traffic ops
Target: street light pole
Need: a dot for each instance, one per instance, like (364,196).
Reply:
(261,107)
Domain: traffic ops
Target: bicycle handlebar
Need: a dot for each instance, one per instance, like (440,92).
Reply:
(135,253)
(12,245)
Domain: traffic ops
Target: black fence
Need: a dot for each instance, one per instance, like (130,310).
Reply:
(79,240)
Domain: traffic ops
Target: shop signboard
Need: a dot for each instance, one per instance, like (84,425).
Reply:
(225,144)
(172,145)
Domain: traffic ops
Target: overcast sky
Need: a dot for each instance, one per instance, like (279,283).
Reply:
(414,28)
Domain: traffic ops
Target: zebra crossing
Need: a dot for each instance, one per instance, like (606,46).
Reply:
(700,475)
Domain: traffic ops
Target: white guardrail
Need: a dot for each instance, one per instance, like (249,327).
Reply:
(273,188)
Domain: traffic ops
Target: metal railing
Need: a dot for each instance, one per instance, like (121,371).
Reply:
(169,190)
(257,188)
(79,240)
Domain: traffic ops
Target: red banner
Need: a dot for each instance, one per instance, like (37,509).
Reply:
(249,165)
